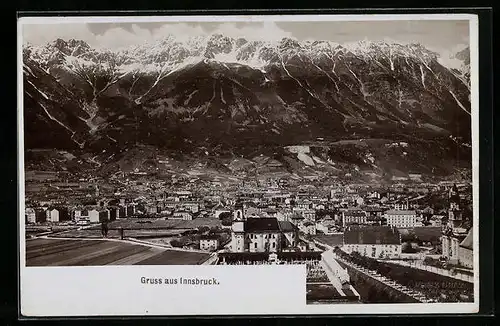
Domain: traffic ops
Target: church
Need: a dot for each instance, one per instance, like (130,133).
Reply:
(261,234)
(455,232)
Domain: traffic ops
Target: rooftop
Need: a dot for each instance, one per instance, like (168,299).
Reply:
(373,209)
(355,213)
(286,226)
(243,256)
(372,235)
(209,237)
(335,239)
(180,211)
(261,224)
(468,241)
(299,255)
(374,218)
(400,212)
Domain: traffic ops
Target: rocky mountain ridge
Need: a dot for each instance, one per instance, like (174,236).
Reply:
(234,97)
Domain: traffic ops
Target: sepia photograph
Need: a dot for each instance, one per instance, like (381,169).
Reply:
(341,145)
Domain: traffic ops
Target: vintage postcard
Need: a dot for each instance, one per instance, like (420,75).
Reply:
(248,165)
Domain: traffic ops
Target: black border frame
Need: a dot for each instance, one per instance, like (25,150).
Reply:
(486,150)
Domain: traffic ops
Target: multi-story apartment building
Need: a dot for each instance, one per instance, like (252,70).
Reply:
(373,241)
(353,216)
(402,218)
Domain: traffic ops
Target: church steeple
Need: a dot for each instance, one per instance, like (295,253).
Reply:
(454,212)
(454,197)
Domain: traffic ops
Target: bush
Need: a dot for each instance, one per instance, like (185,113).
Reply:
(223,237)
(225,215)
(176,243)
(203,229)
(215,229)
(179,243)
(408,249)
(227,222)
(431,284)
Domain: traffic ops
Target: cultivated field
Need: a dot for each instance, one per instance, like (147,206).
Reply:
(151,223)
(56,252)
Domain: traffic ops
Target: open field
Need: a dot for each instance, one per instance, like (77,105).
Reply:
(133,228)
(66,252)
(115,234)
(332,240)
(151,223)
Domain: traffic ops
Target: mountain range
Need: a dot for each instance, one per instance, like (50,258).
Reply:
(316,103)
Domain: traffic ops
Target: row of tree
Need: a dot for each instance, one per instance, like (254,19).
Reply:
(433,285)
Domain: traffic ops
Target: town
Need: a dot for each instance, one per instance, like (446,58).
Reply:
(405,241)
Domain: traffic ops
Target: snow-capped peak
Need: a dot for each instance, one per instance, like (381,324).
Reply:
(174,51)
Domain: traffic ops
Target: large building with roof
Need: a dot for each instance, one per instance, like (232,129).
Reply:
(375,215)
(353,216)
(402,218)
(373,241)
(263,234)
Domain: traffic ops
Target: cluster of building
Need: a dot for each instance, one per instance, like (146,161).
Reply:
(79,214)
(268,234)
(182,207)
(457,238)
(270,217)
(373,231)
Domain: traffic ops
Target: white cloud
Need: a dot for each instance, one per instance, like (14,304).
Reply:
(266,31)
(117,37)
(447,57)
(39,34)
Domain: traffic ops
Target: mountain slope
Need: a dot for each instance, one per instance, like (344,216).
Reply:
(232,96)
(51,115)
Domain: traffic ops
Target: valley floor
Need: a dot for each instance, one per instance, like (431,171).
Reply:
(97,252)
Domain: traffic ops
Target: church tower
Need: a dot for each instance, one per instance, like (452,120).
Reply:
(454,211)
(453,233)
(239,213)
(238,229)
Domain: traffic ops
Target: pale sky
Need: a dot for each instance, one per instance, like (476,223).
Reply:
(442,36)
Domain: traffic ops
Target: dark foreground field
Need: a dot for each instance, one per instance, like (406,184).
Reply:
(56,252)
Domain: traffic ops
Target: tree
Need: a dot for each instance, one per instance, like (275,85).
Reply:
(225,215)
(408,248)
(203,229)
(355,254)
(215,229)
(179,243)
(176,243)
(227,222)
